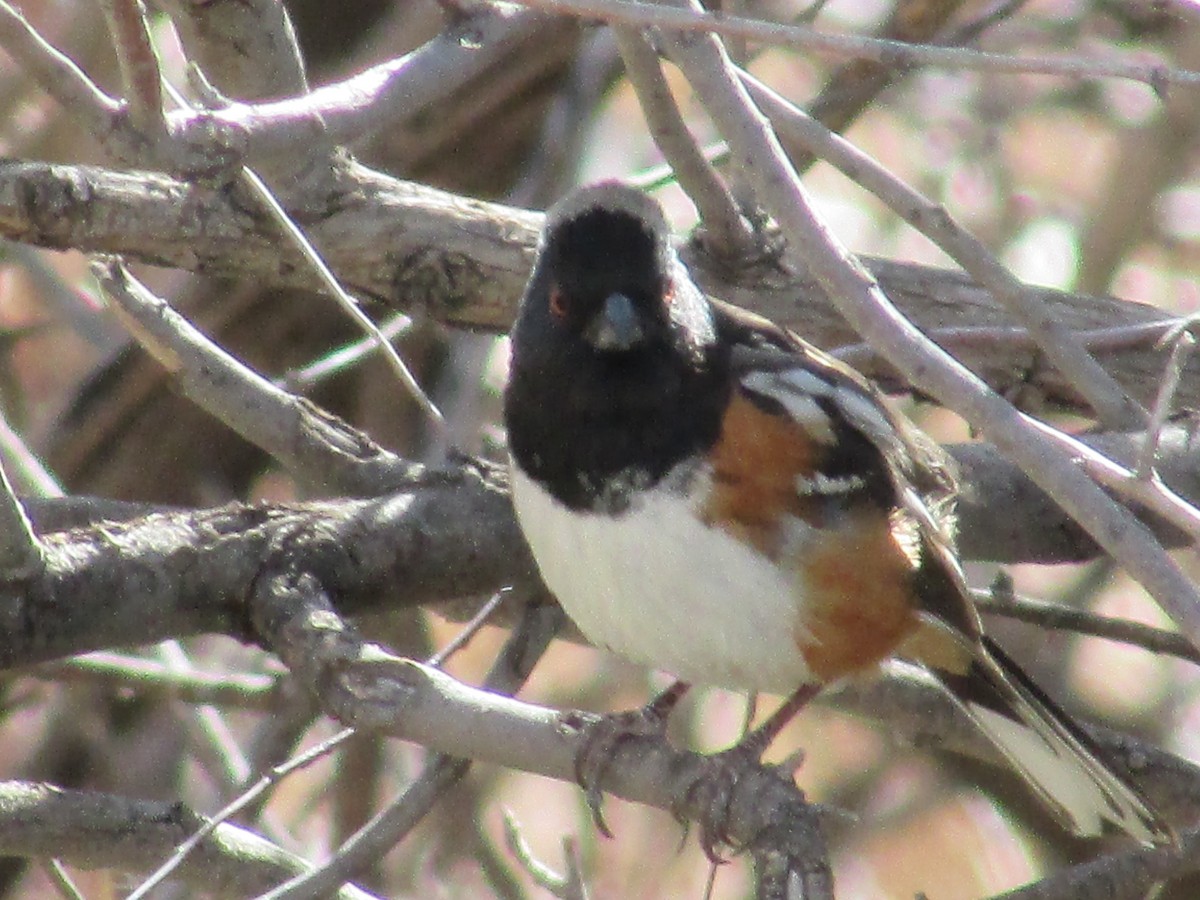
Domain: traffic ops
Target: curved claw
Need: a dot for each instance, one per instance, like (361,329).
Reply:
(715,786)
(713,791)
(592,762)
(603,737)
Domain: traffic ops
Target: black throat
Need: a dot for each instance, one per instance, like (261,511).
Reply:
(594,424)
(592,430)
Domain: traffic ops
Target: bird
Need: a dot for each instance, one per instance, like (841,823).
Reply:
(708,494)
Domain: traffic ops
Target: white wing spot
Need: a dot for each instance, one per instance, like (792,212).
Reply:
(821,485)
(794,394)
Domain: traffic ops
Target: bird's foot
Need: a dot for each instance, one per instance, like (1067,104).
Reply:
(712,792)
(604,736)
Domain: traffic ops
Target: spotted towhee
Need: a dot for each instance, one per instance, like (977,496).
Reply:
(710,495)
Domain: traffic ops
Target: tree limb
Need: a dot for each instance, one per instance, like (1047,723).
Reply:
(94,830)
(465,262)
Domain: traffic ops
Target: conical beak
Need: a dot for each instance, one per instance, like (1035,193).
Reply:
(617,325)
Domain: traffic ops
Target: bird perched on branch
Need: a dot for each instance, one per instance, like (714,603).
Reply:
(710,495)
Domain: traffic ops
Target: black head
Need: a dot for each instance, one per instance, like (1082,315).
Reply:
(611,343)
(607,277)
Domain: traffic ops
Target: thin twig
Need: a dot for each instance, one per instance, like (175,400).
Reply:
(468,631)
(31,476)
(62,880)
(1065,618)
(300,379)
(567,886)
(21,553)
(524,647)
(135,673)
(893,53)
(277,773)
(730,233)
(1182,342)
(56,73)
(661,175)
(1055,340)
(321,451)
(138,64)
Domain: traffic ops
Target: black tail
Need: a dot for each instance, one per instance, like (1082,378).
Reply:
(1053,754)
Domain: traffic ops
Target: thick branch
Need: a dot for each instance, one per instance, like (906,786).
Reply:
(362,687)
(1133,873)
(248,49)
(465,263)
(93,830)
(447,534)
(1033,527)
(170,575)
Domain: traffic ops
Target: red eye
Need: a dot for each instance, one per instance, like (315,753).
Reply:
(558,303)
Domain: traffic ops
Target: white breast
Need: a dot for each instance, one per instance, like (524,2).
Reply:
(658,586)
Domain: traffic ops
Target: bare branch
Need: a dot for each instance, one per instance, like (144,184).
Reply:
(21,554)
(56,73)
(379,98)
(321,450)
(138,63)
(135,673)
(93,830)
(724,223)
(362,686)
(450,534)
(1053,338)
(465,263)
(538,625)
(1057,616)
(892,53)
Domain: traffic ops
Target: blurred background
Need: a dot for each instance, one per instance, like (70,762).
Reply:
(1085,185)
